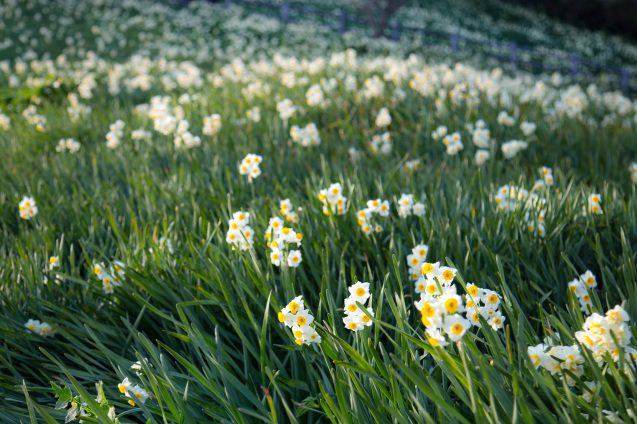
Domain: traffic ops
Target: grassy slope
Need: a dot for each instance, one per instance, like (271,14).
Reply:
(205,318)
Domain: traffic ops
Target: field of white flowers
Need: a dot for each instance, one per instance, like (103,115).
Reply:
(208,216)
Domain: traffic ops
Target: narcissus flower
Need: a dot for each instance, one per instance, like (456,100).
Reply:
(299,319)
(28,208)
(41,328)
(240,234)
(383,118)
(333,200)
(355,319)
(250,166)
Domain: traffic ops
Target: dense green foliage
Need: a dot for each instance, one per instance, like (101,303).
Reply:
(202,320)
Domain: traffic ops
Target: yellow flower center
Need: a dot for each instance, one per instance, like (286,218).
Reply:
(360,291)
(427,310)
(451,305)
(457,329)
(427,268)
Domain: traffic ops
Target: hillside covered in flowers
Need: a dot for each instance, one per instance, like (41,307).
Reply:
(209,216)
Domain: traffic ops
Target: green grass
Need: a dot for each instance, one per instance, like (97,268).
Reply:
(203,321)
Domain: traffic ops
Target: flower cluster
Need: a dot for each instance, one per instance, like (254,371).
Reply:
(42,328)
(415,261)
(598,331)
(412,165)
(440,305)
(76,109)
(510,197)
(115,134)
(528,128)
(594,204)
(212,124)
(28,208)
(184,138)
(439,133)
(300,320)
(408,206)
(355,319)
(557,359)
(605,336)
(505,120)
(240,234)
(380,143)
(254,114)
(287,211)
(161,113)
(511,148)
(32,116)
(333,200)
(316,97)
(482,156)
(580,286)
(481,135)
(484,303)
(453,143)
(141,134)
(547,175)
(365,216)
(69,145)
(307,136)
(286,109)
(111,278)
(250,166)
(383,119)
(135,392)
(279,238)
